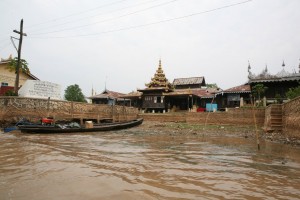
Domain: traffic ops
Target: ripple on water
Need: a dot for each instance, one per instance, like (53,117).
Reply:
(133,166)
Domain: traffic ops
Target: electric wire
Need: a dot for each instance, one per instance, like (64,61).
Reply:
(78,13)
(144,25)
(106,20)
(87,17)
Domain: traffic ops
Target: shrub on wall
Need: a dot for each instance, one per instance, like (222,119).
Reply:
(293,93)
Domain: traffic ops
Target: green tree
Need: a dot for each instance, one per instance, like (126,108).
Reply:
(293,93)
(74,93)
(259,90)
(12,65)
(212,85)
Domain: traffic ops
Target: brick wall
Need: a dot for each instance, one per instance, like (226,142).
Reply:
(291,118)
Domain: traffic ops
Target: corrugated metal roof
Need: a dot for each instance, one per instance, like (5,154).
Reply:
(238,89)
(293,77)
(155,88)
(201,92)
(107,94)
(188,81)
(134,94)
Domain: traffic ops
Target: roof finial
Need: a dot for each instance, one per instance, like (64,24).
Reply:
(249,70)
(249,67)
(105,83)
(283,65)
(92,90)
(266,69)
(159,65)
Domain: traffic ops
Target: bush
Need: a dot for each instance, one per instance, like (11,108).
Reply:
(293,93)
(10,93)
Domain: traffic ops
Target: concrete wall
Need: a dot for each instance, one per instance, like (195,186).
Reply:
(240,116)
(291,118)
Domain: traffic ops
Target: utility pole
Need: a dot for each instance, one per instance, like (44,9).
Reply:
(19,56)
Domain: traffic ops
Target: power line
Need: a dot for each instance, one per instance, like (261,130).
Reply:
(111,19)
(148,24)
(78,13)
(113,11)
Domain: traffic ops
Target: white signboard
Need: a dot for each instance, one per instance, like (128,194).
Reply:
(40,89)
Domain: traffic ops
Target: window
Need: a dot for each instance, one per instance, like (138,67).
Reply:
(158,99)
(147,98)
(4,84)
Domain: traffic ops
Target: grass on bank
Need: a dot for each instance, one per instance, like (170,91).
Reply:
(210,127)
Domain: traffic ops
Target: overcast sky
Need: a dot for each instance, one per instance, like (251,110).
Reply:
(119,42)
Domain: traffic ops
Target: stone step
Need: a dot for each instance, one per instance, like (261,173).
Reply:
(276,117)
(276,112)
(276,105)
(276,125)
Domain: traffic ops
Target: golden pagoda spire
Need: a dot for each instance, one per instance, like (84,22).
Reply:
(159,79)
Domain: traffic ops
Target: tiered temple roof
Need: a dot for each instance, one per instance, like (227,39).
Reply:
(159,80)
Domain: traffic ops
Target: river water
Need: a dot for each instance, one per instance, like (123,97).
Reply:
(128,164)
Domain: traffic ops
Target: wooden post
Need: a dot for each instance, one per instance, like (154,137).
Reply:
(254,118)
(188,103)
(19,56)
(112,112)
(192,103)
(48,107)
(72,110)
(124,117)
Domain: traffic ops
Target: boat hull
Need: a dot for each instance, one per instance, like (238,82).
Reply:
(96,128)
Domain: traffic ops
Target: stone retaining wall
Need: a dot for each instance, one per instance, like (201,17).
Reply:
(291,118)
(241,116)
(14,108)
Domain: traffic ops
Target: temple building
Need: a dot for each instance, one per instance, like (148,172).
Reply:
(276,85)
(184,94)
(8,76)
(153,98)
(190,94)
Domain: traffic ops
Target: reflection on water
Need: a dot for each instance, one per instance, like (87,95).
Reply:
(130,165)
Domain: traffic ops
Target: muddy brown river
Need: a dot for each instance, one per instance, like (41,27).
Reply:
(128,164)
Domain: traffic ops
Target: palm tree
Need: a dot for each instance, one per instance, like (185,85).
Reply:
(12,66)
(23,67)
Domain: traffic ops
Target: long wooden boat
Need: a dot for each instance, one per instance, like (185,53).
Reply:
(96,128)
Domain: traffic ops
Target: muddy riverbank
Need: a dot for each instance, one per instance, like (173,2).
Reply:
(180,128)
(248,132)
